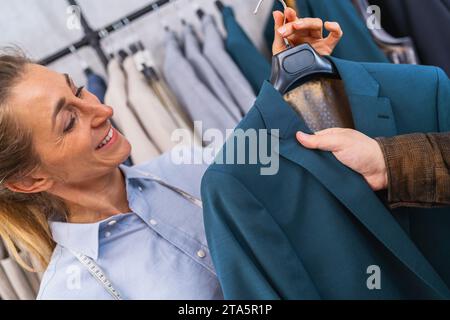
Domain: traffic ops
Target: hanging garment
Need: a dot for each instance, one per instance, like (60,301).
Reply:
(357,43)
(206,72)
(143,148)
(145,63)
(427,22)
(198,101)
(315,229)
(252,63)
(96,85)
(6,290)
(3,252)
(18,279)
(32,277)
(214,51)
(155,118)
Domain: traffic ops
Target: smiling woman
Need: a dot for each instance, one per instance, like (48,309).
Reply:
(64,194)
(40,150)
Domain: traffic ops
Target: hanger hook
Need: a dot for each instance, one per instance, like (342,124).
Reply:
(156,8)
(104,37)
(258,6)
(75,52)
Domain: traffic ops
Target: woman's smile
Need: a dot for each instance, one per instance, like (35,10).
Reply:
(109,140)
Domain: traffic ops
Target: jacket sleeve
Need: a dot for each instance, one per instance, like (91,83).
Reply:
(418,164)
(253,257)
(418,169)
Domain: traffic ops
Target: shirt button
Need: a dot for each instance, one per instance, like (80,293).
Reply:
(112,222)
(107,234)
(153,222)
(140,188)
(201,254)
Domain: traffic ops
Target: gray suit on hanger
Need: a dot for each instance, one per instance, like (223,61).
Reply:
(18,279)
(206,72)
(214,50)
(144,59)
(153,115)
(198,100)
(6,290)
(143,148)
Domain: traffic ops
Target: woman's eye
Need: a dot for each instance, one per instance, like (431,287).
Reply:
(79,92)
(70,125)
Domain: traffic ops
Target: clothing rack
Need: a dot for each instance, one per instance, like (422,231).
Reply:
(93,37)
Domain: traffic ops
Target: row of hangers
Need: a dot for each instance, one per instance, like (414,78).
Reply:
(133,44)
(289,68)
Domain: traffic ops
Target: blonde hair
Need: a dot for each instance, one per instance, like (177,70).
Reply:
(23,217)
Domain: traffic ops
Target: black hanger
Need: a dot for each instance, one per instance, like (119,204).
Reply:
(220,6)
(134,48)
(297,65)
(200,14)
(122,55)
(88,71)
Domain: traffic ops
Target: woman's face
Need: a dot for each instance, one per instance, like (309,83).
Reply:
(69,126)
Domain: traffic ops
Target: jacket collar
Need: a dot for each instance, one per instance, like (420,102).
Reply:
(373,116)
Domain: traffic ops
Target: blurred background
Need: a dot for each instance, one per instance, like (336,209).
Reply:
(40,26)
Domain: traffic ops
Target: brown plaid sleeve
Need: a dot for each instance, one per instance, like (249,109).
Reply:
(418,168)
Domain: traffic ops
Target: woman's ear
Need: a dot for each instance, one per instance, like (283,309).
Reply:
(29,184)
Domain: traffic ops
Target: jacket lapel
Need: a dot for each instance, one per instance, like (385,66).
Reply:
(372,115)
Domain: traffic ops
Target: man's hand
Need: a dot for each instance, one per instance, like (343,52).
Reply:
(308,30)
(353,149)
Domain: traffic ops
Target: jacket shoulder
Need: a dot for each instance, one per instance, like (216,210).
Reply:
(405,74)
(245,143)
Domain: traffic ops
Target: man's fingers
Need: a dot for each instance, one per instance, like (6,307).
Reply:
(278,43)
(291,15)
(304,27)
(286,30)
(313,25)
(325,142)
(278,18)
(329,131)
(335,35)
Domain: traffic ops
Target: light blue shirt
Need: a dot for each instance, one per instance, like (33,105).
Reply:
(158,251)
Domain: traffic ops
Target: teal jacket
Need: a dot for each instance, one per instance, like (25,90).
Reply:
(316,230)
(251,62)
(357,43)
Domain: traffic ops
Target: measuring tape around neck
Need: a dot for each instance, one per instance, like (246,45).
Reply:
(97,272)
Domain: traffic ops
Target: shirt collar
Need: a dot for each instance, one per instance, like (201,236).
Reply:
(84,238)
